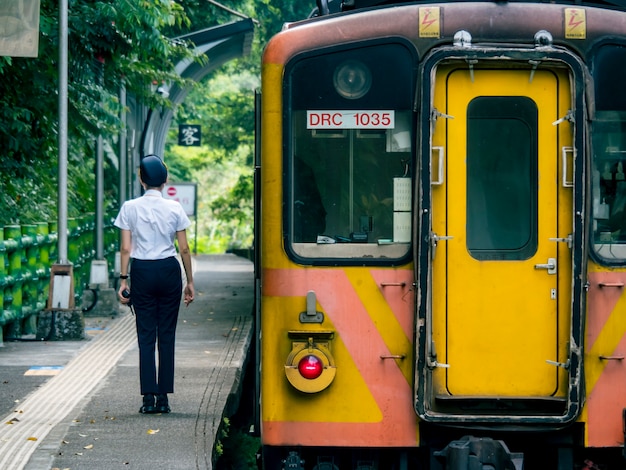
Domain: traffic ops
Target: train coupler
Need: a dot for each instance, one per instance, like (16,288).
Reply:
(293,462)
(470,453)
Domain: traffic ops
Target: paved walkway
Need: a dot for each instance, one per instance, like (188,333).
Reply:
(74,404)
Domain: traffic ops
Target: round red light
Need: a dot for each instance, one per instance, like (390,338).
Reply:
(310,367)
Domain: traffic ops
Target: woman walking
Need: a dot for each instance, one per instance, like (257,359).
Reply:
(149,226)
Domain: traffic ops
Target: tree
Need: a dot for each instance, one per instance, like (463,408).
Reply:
(132,42)
(224,106)
(110,41)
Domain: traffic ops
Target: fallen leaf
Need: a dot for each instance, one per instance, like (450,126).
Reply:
(31,438)
(152,431)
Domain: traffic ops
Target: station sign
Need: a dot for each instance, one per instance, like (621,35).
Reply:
(189,135)
(185,193)
(343,119)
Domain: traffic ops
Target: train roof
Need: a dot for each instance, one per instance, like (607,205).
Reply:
(326,7)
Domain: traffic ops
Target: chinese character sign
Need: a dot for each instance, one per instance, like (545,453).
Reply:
(189,135)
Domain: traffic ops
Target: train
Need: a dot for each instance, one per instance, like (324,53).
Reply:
(441,237)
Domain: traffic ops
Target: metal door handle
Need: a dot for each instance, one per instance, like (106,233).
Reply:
(550,266)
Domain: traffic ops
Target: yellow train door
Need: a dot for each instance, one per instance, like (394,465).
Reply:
(501,279)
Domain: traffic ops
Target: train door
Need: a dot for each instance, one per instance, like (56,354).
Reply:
(501,264)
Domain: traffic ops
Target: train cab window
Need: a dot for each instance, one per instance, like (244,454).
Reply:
(608,140)
(350,153)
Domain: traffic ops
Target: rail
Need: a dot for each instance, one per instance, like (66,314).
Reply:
(26,255)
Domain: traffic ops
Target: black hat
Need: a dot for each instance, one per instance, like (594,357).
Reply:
(153,171)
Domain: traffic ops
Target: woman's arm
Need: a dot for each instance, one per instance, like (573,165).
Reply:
(124,264)
(185,254)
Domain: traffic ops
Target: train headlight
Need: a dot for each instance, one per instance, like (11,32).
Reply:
(352,79)
(310,367)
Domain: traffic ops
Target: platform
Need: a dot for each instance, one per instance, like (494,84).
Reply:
(75,404)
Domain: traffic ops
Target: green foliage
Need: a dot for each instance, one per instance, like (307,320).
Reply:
(134,42)
(109,40)
(236,449)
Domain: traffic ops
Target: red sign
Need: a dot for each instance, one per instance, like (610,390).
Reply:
(184,193)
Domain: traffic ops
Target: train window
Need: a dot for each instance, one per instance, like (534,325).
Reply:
(351,145)
(502,178)
(608,138)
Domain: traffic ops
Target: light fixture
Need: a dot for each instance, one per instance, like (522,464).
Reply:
(352,79)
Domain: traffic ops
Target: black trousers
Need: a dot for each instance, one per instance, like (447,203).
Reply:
(156,289)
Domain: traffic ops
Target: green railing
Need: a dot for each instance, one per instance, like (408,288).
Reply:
(26,254)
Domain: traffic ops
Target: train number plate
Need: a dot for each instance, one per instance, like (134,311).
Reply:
(361,119)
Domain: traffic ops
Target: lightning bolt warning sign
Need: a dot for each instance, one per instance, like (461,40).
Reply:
(429,22)
(575,23)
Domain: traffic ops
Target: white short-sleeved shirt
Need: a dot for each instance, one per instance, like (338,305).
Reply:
(153,222)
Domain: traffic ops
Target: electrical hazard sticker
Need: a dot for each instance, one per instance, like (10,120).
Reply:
(575,23)
(429,22)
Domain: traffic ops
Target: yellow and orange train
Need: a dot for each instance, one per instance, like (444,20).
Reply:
(441,237)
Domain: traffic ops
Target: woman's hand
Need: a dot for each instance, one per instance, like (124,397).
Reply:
(120,293)
(189,293)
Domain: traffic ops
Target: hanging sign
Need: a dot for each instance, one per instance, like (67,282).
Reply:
(189,135)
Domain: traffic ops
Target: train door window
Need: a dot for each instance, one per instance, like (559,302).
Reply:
(350,143)
(608,140)
(502,177)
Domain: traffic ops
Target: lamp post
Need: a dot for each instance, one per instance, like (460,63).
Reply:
(62,190)
(61,295)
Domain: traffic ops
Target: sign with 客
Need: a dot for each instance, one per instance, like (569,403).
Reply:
(189,135)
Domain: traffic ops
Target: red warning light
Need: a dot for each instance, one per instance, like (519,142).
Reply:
(310,367)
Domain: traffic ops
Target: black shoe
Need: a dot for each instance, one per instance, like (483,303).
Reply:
(162,405)
(148,404)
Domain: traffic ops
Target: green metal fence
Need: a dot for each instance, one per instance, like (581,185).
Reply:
(26,254)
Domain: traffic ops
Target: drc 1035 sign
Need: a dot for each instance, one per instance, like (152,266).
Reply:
(342,119)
